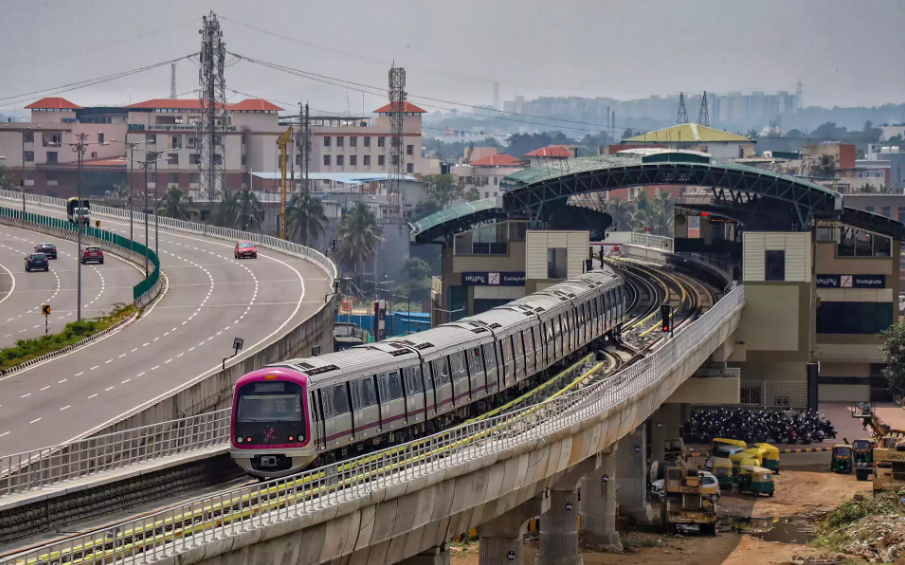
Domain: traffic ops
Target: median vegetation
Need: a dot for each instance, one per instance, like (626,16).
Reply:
(867,527)
(28,349)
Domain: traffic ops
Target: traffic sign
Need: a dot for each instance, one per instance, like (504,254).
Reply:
(45,309)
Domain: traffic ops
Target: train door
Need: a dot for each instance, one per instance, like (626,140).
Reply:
(430,392)
(365,407)
(476,373)
(506,361)
(416,398)
(338,422)
(459,378)
(528,338)
(491,367)
(550,345)
(518,352)
(392,409)
(442,384)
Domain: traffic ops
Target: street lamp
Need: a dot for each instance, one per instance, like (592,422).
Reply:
(150,158)
(131,145)
(79,147)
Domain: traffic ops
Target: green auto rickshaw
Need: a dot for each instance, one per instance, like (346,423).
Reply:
(841,461)
(756,480)
(722,470)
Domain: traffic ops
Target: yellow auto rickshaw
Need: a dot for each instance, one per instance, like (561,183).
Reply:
(771,457)
(720,443)
(755,479)
(758,453)
(722,470)
(738,463)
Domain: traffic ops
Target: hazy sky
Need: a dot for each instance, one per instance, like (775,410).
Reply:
(845,52)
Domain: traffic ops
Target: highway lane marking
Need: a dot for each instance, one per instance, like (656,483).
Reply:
(155,368)
(61,382)
(93,368)
(108,389)
(125,381)
(108,361)
(11,289)
(65,407)
(35,420)
(123,355)
(134,350)
(145,345)
(25,395)
(92,396)
(4,434)
(45,388)
(80,374)
(139,374)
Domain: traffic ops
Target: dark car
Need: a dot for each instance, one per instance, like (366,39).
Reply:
(36,262)
(95,254)
(48,249)
(246,249)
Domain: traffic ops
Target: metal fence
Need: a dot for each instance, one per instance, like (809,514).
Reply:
(774,394)
(653,241)
(211,518)
(142,293)
(44,467)
(265,241)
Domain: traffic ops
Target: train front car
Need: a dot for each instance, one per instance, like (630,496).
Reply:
(271,427)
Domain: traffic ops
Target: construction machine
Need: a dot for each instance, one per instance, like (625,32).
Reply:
(684,501)
(889,449)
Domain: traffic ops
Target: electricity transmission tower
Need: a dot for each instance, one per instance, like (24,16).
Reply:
(395,198)
(172,81)
(682,116)
(704,113)
(212,98)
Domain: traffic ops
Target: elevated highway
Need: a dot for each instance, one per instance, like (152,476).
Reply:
(209,299)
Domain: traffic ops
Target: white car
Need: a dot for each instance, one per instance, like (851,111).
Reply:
(707,480)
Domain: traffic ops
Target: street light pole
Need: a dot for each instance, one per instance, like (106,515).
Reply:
(156,212)
(145,212)
(79,148)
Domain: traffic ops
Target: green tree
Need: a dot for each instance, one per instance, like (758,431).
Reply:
(443,190)
(894,349)
(621,211)
(120,190)
(522,143)
(7,180)
(752,134)
(868,188)
(418,285)
(472,194)
(176,205)
(895,140)
(249,211)
(305,217)
(358,234)
(226,211)
(826,166)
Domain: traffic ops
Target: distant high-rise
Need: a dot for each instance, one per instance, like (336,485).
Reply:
(496,95)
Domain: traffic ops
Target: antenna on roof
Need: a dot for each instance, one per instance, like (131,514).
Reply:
(682,116)
(704,113)
(172,81)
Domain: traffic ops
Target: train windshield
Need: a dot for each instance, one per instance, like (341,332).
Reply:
(270,402)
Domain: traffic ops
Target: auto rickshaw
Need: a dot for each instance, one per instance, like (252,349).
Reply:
(863,457)
(771,457)
(723,447)
(841,461)
(754,479)
(739,463)
(737,458)
(722,470)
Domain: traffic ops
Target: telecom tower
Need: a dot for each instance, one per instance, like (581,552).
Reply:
(303,143)
(172,81)
(704,113)
(798,104)
(395,198)
(682,116)
(212,97)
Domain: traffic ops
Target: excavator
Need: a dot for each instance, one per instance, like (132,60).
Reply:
(883,455)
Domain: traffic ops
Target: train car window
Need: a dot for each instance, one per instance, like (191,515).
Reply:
(270,402)
(394,385)
(441,371)
(490,357)
(339,400)
(457,361)
(382,386)
(519,351)
(475,364)
(363,393)
(413,379)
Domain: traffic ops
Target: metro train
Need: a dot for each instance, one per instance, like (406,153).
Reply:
(288,414)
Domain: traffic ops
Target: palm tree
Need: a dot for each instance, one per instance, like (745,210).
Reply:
(655,216)
(621,212)
(176,205)
(358,233)
(868,188)
(7,180)
(120,191)
(249,209)
(226,212)
(305,217)
(826,166)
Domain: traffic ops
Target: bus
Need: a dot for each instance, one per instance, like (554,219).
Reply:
(75,212)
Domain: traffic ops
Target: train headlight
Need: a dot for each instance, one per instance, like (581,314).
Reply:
(239,439)
(291,438)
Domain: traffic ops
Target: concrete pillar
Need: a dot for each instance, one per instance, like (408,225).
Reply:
(501,538)
(598,506)
(665,424)
(631,476)
(559,530)
(437,555)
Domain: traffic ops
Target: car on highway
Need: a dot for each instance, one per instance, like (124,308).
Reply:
(245,249)
(92,253)
(48,249)
(36,262)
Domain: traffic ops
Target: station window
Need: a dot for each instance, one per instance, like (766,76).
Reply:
(367,159)
(774,265)
(863,318)
(326,141)
(858,243)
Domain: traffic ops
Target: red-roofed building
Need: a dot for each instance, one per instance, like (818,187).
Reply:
(52,103)
(409,108)
(543,156)
(254,105)
(484,174)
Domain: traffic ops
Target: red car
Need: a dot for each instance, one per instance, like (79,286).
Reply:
(95,254)
(245,249)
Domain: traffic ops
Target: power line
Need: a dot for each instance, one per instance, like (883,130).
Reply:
(18,98)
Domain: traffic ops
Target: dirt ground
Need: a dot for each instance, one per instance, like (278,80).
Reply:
(806,491)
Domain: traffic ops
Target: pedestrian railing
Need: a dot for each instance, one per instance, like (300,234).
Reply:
(41,468)
(265,241)
(653,241)
(179,528)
